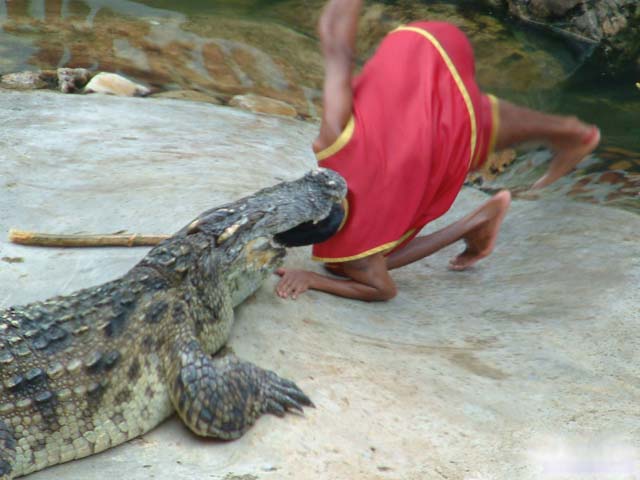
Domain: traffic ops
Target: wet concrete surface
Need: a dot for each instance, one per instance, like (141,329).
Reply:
(524,367)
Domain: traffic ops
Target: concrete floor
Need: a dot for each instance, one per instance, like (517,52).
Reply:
(522,368)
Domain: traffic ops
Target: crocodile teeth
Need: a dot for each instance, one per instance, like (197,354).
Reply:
(230,231)
(193,226)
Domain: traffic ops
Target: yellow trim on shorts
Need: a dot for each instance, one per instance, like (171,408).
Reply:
(340,142)
(381,248)
(495,122)
(457,78)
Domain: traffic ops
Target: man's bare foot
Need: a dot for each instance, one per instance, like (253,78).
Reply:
(574,141)
(484,225)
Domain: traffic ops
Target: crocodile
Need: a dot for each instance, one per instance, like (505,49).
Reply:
(88,371)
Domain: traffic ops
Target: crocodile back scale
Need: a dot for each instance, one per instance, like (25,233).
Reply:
(88,371)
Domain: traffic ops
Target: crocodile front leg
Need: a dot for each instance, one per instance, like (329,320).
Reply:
(222,397)
(7,451)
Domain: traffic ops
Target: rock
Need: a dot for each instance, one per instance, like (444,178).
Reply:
(496,164)
(68,80)
(282,61)
(23,81)
(614,25)
(71,80)
(260,104)
(192,95)
(494,3)
(263,58)
(609,32)
(482,374)
(112,84)
(175,51)
(514,67)
(50,77)
(552,8)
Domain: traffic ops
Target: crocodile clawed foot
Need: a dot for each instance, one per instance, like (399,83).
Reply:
(222,397)
(283,395)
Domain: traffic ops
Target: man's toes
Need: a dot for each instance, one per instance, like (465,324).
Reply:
(456,267)
(592,137)
(463,264)
(454,260)
(459,262)
(466,260)
(504,197)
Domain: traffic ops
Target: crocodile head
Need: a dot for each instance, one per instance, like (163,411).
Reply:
(247,238)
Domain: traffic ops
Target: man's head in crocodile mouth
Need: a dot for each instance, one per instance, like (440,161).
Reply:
(311,232)
(296,213)
(247,238)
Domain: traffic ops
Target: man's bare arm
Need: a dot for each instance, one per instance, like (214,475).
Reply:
(368,280)
(337,28)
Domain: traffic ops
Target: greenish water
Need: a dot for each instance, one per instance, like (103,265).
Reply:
(613,105)
(269,47)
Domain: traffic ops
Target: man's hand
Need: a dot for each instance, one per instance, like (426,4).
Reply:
(365,279)
(293,282)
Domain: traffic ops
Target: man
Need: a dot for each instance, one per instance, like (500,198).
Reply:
(404,134)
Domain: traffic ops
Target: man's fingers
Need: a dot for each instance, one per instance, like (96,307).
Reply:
(282,288)
(285,288)
(291,285)
(299,289)
(281,291)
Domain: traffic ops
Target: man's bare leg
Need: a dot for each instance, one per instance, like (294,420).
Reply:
(479,230)
(571,139)
(368,278)
(484,225)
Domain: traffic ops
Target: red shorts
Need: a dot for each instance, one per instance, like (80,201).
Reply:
(419,124)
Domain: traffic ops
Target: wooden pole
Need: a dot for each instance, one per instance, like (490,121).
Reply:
(54,240)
